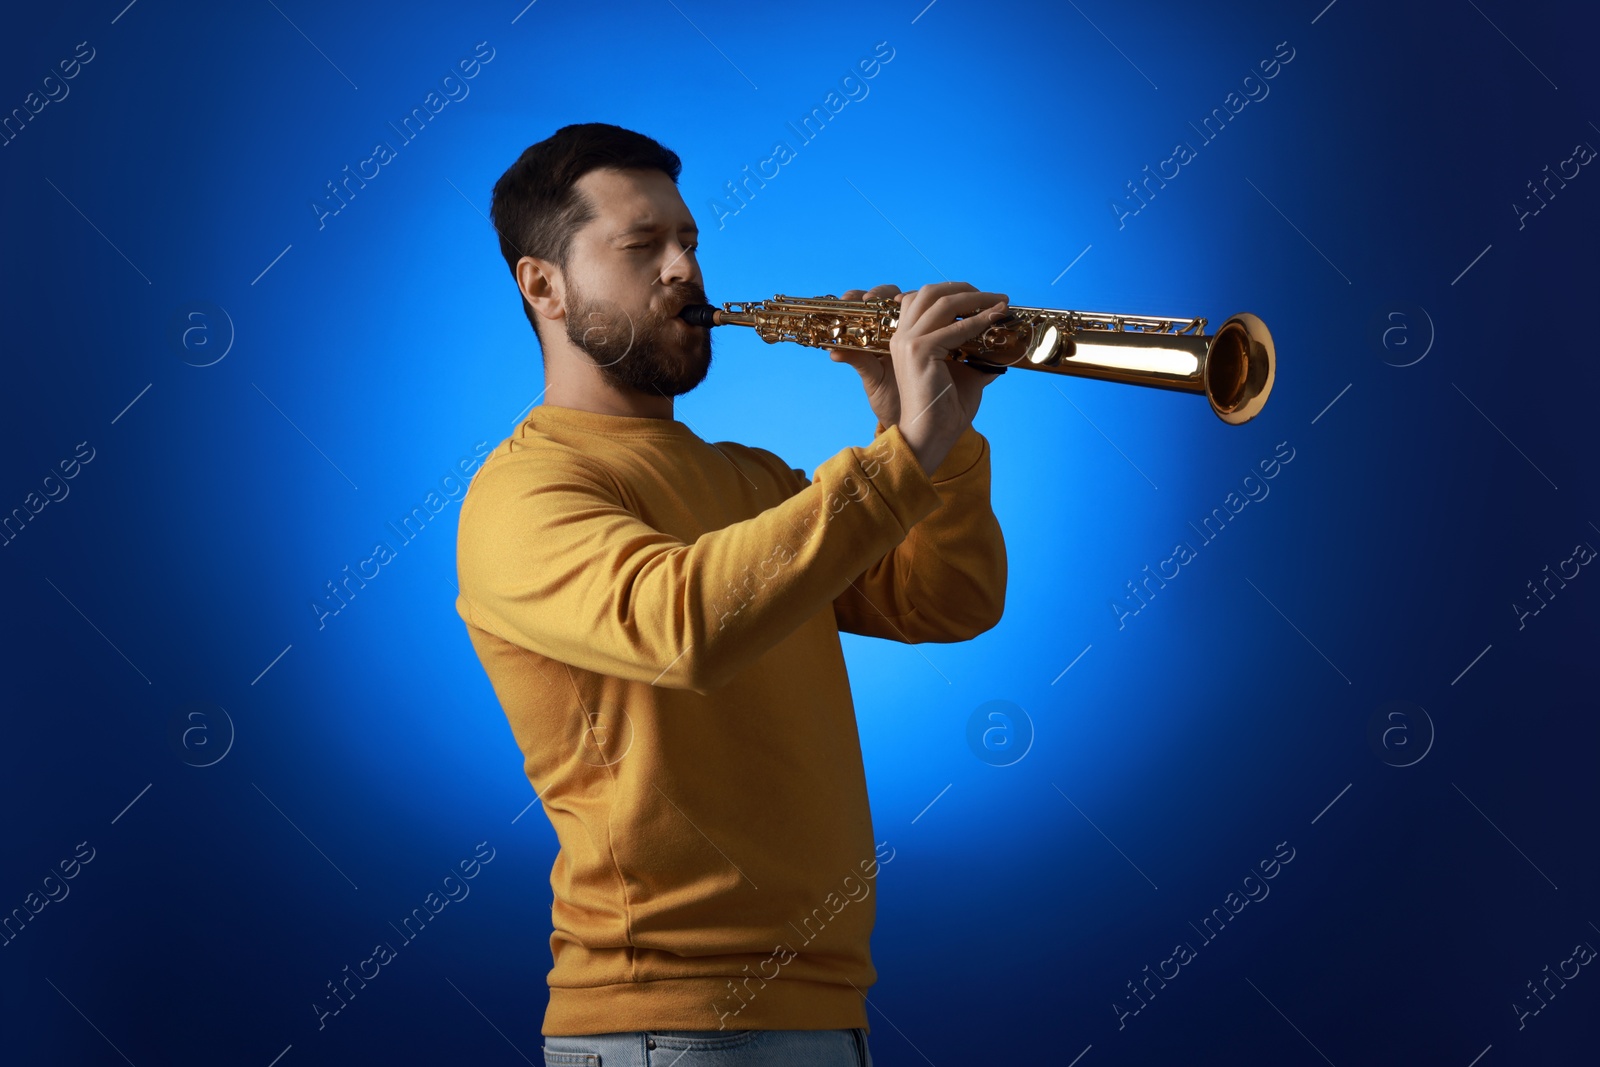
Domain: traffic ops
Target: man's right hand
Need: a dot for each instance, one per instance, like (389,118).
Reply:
(939,396)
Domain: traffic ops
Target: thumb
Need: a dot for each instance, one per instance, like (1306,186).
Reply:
(865,365)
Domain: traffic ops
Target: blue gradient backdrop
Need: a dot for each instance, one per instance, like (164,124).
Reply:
(1365,207)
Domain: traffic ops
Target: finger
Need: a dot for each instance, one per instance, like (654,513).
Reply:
(938,304)
(864,363)
(879,292)
(950,306)
(870,367)
(940,288)
(957,333)
(932,291)
(916,300)
(851,294)
(959,316)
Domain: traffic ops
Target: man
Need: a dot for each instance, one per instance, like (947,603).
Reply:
(660,616)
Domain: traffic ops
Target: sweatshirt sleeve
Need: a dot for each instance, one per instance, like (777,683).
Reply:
(946,581)
(550,559)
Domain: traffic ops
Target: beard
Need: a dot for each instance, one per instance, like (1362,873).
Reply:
(649,353)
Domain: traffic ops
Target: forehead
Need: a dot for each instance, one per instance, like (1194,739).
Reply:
(623,198)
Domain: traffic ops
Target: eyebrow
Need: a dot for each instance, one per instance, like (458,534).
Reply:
(646,227)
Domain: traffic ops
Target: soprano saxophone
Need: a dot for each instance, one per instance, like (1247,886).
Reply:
(1232,368)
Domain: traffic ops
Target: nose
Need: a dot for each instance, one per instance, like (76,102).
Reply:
(680,266)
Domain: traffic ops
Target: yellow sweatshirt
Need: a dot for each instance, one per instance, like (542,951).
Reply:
(659,617)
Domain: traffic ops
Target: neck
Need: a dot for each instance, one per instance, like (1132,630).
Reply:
(573,382)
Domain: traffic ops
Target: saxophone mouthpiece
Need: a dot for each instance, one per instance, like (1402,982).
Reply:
(699,315)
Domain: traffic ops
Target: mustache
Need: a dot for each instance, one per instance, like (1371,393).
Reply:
(681,296)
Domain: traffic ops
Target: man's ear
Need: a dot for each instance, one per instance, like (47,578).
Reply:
(542,287)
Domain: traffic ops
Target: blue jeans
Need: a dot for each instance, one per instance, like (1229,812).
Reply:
(711,1048)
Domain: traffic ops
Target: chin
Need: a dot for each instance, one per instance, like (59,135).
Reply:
(689,383)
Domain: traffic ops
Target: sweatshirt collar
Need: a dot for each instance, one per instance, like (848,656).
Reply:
(544,415)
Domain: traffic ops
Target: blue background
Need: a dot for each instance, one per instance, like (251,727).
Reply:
(352,767)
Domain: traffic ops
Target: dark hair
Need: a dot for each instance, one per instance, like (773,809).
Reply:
(535,207)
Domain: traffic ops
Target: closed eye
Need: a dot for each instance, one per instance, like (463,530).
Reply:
(634,247)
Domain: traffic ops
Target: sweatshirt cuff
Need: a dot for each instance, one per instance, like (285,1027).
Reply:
(962,457)
(892,469)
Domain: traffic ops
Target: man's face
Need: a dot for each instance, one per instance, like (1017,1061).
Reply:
(630,270)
